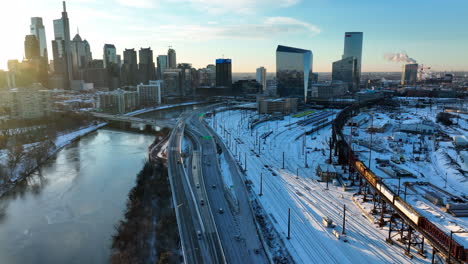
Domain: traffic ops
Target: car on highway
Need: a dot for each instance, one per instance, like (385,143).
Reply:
(198,185)
(199,234)
(213,186)
(221,210)
(202,202)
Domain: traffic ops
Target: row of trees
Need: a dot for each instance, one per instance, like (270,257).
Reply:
(148,233)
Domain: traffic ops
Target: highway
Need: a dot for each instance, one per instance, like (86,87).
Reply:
(197,242)
(236,226)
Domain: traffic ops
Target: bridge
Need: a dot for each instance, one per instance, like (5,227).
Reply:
(134,119)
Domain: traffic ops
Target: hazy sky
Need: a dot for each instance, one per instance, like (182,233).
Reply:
(433,32)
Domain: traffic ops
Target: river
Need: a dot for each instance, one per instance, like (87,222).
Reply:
(66,212)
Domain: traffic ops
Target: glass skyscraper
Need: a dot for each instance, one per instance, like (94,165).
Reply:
(293,71)
(223,73)
(161,61)
(353,48)
(346,70)
(38,30)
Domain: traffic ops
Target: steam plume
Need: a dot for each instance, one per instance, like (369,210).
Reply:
(399,57)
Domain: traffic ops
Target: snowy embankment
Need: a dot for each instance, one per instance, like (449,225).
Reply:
(294,186)
(61,141)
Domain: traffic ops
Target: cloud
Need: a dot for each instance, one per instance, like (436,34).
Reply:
(268,28)
(236,6)
(138,3)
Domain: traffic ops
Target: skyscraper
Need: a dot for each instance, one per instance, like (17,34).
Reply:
(346,70)
(31,47)
(146,65)
(81,55)
(409,76)
(38,30)
(353,48)
(110,55)
(129,68)
(162,65)
(171,59)
(293,71)
(224,73)
(61,48)
(261,77)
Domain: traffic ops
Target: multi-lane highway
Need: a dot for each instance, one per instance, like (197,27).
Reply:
(232,212)
(197,233)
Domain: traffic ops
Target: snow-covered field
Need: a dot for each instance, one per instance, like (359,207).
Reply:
(308,199)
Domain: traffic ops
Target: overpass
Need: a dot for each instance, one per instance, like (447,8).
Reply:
(134,119)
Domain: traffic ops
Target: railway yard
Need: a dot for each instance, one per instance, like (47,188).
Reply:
(417,168)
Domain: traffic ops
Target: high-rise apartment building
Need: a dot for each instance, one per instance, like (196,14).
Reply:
(171,59)
(346,70)
(61,49)
(162,65)
(129,71)
(261,77)
(353,48)
(409,76)
(293,71)
(224,73)
(146,65)
(37,29)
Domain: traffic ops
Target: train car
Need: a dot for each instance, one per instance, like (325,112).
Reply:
(386,192)
(407,210)
(457,251)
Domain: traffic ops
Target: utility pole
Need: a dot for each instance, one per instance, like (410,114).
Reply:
(297,173)
(344,220)
(245,163)
(283,161)
(289,223)
(261,184)
(370,146)
(305,161)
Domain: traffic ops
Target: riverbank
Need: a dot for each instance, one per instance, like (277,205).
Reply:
(28,166)
(148,233)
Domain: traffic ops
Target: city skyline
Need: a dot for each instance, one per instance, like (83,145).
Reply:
(249,31)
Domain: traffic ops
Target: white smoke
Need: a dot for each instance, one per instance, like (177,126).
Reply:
(399,57)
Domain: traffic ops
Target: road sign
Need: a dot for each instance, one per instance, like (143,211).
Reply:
(207,137)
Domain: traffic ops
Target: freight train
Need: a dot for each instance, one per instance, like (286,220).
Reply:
(426,227)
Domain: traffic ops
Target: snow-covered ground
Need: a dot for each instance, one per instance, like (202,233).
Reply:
(440,165)
(308,199)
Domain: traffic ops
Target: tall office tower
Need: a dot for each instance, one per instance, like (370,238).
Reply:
(353,48)
(172,82)
(129,71)
(81,56)
(346,70)
(110,55)
(146,65)
(409,76)
(224,73)
(171,59)
(261,77)
(61,49)
(38,30)
(162,65)
(293,71)
(31,47)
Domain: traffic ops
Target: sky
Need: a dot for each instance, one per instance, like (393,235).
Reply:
(433,32)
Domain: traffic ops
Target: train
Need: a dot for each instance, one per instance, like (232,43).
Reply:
(424,225)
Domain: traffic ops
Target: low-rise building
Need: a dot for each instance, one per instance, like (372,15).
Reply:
(328,89)
(279,105)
